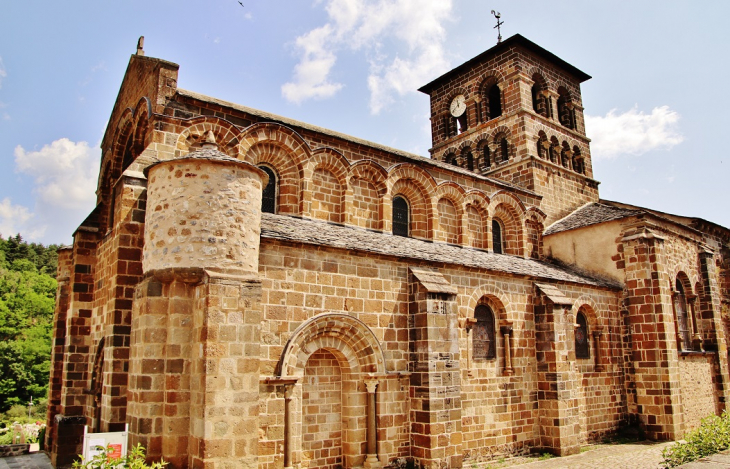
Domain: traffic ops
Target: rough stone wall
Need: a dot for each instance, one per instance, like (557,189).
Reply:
(699,399)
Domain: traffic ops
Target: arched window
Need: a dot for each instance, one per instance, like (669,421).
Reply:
(484,338)
(494,102)
(582,346)
(540,100)
(565,155)
(268,198)
(486,158)
(566,113)
(542,145)
(469,160)
(683,326)
(496,236)
(554,145)
(401,217)
(503,149)
(578,164)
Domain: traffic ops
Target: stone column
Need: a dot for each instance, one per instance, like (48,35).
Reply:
(372,432)
(288,424)
(506,330)
(597,333)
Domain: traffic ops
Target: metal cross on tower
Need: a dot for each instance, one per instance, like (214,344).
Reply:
(498,15)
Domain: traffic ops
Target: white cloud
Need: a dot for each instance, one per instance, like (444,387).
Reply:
(633,132)
(248,16)
(15,219)
(65,173)
(414,27)
(3,72)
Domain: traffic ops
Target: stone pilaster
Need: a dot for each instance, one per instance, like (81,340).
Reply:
(653,338)
(435,379)
(557,380)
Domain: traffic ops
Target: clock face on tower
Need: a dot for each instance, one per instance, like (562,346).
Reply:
(458,106)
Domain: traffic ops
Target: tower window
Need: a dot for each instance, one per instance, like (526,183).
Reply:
(504,149)
(484,337)
(268,198)
(486,161)
(494,100)
(496,237)
(582,348)
(401,217)
(566,113)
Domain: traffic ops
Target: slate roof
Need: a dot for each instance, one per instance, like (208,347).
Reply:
(590,214)
(318,233)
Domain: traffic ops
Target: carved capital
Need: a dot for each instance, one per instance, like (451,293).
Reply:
(371,384)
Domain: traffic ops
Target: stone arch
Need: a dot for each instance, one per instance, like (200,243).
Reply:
(448,200)
(491,91)
(337,331)
(416,185)
(590,308)
(498,302)
(509,211)
(358,354)
(476,214)
(493,293)
(142,126)
(325,185)
(286,164)
(277,135)
(534,222)
(446,102)
(196,129)
(366,188)
(122,143)
(502,145)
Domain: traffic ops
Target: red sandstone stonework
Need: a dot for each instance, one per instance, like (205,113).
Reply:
(313,337)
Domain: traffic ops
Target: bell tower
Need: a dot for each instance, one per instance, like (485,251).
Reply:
(515,113)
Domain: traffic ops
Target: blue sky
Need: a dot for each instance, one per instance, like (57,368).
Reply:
(655,108)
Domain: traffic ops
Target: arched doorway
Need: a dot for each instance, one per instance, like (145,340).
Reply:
(332,357)
(322,411)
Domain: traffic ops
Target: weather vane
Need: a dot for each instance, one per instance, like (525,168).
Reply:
(498,15)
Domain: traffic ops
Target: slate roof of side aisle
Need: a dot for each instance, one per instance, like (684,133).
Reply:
(320,233)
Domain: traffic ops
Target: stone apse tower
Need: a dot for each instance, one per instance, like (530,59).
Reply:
(253,291)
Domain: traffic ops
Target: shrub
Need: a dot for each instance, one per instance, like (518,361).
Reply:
(712,436)
(133,460)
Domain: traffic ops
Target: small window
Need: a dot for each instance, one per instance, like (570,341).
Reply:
(484,339)
(401,217)
(496,237)
(486,159)
(582,348)
(494,98)
(504,149)
(268,198)
(680,308)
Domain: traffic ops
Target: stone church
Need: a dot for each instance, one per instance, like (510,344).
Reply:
(256,292)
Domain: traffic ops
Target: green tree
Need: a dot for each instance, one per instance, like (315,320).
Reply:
(27,300)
